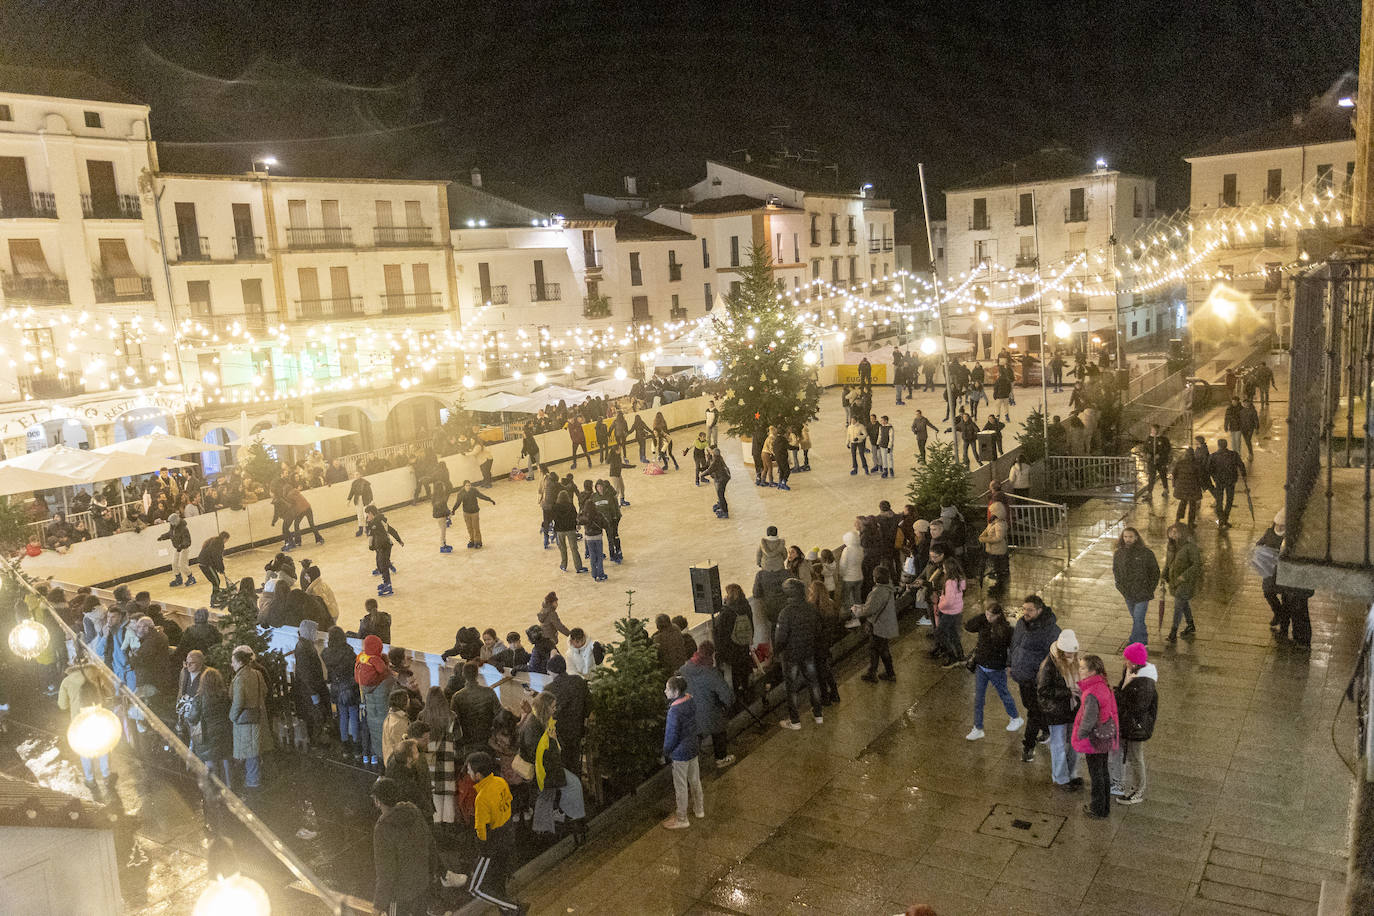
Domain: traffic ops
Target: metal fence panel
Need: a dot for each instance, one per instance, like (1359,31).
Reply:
(1093,475)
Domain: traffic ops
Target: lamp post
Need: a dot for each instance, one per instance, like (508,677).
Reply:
(267,162)
(935,283)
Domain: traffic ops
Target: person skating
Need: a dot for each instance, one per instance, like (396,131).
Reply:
(577,436)
(712,423)
(606,504)
(1001,393)
(857,436)
(593,532)
(966,434)
(682,749)
(180,535)
(782,457)
(468,501)
(529,449)
(886,437)
(719,473)
(642,433)
(1035,632)
(549,488)
(700,450)
(1137,705)
(990,657)
(565,532)
(438,497)
(1182,576)
(616,473)
(380,535)
(1136,574)
(921,427)
(360,495)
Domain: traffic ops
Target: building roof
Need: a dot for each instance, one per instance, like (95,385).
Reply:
(1323,122)
(61,84)
(731,203)
(503,202)
(801,172)
(1052,163)
(632,228)
(27,804)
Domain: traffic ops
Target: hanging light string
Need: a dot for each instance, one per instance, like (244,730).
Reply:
(210,784)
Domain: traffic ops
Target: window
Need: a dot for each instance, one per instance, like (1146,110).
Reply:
(640,306)
(296,214)
(1026,255)
(873,271)
(384,213)
(705,254)
(815,268)
(1078,242)
(1273,277)
(1228,190)
(939,254)
(589,252)
(796,249)
(979,219)
(777,248)
(484,282)
(674,267)
(38,341)
(853,269)
(539,288)
(1025,291)
(413,215)
(1273,185)
(93,119)
(1137,208)
(5,114)
(593,289)
(834,229)
(329,214)
(835,270)
(636,275)
(678,313)
(198,294)
(706,296)
(1323,177)
(853,236)
(815,228)
(348,356)
(734,288)
(243,230)
(131,347)
(188,231)
(1025,209)
(1147,325)
(734,251)
(1134,329)
(1349,177)
(984,252)
(1078,206)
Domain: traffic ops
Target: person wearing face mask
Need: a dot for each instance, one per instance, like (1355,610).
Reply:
(681,748)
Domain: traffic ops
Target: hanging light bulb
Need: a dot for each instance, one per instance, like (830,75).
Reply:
(540,378)
(469,382)
(809,357)
(928,346)
(94,732)
(29,639)
(235,895)
(620,373)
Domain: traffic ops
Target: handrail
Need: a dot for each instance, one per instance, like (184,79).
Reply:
(211,785)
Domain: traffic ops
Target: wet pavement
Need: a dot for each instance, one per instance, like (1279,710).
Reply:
(884,806)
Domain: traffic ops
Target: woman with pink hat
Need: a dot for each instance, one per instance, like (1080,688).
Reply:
(1137,705)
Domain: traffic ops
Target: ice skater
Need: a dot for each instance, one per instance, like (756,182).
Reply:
(380,535)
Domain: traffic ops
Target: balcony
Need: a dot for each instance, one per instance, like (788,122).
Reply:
(853,237)
(304,238)
(122,289)
(193,248)
(596,307)
(50,386)
(253,323)
(677,314)
(1076,214)
(401,236)
(1225,199)
(117,206)
(674,272)
(38,205)
(874,246)
(40,289)
(248,248)
(591,258)
(491,295)
(1021,219)
(887,244)
(1026,260)
(336,307)
(979,222)
(412,303)
(548,292)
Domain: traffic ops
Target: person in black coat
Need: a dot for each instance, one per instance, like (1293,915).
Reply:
(1226,468)
(180,536)
(794,639)
(1137,704)
(375,622)
(730,652)
(1158,451)
(1136,573)
(1035,631)
(309,686)
(990,665)
(212,734)
(574,705)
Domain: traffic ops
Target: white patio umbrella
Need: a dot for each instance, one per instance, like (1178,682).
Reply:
(613,387)
(111,465)
(160,445)
(552,395)
(15,479)
(300,434)
(61,460)
(498,402)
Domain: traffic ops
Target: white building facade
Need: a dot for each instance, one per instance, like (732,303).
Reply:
(1045,225)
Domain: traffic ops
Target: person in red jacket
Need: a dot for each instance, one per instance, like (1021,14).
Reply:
(1096,731)
(375,681)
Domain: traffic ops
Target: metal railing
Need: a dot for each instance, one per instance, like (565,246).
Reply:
(874,246)
(248,248)
(1330,479)
(50,386)
(547,292)
(118,206)
(319,237)
(591,259)
(122,289)
(596,307)
(45,289)
(34,205)
(1146,380)
(1092,475)
(677,314)
(887,244)
(335,307)
(252,323)
(1019,218)
(1033,525)
(403,235)
(491,295)
(411,303)
(191,248)
(1076,214)
(979,223)
(1023,260)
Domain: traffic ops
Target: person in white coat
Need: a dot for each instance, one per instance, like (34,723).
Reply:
(851,569)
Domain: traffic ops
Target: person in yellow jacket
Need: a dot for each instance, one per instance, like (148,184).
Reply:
(491,820)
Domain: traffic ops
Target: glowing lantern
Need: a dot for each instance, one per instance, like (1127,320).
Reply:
(29,639)
(928,346)
(233,896)
(94,732)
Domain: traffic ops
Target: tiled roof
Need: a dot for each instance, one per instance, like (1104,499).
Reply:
(1053,163)
(732,203)
(632,228)
(61,84)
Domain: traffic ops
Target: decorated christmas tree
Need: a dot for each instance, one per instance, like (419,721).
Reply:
(760,348)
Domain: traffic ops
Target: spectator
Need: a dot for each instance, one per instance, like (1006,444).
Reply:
(667,638)
(402,849)
(373,675)
(574,705)
(1035,632)
(212,733)
(339,660)
(990,666)
(492,823)
(1138,703)
(248,713)
(681,747)
(1136,572)
(713,700)
(475,707)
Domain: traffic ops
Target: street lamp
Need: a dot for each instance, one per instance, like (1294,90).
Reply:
(266,161)
(29,639)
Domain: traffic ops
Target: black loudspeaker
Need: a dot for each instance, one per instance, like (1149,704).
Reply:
(706,589)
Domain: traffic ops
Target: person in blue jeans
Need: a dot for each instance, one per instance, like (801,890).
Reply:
(990,666)
(1058,706)
(1136,572)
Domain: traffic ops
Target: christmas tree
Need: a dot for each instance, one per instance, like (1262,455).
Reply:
(761,348)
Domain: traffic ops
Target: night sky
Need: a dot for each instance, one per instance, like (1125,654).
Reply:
(571,95)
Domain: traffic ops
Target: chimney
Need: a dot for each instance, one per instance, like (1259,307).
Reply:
(476,177)
(631,185)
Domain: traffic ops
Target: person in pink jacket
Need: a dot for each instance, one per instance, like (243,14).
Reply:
(949,607)
(1096,731)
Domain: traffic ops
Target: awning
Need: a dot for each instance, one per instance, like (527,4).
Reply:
(27,257)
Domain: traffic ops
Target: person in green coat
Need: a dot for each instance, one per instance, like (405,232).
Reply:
(1183,573)
(248,712)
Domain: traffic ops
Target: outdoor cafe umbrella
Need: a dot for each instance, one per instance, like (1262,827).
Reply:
(300,434)
(160,445)
(14,479)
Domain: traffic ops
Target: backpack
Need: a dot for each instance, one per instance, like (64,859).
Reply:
(742,633)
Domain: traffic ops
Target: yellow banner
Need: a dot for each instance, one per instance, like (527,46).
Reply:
(846,374)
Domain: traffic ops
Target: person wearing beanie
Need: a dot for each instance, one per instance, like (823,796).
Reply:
(1058,704)
(772,552)
(794,640)
(375,681)
(309,684)
(180,535)
(574,704)
(1138,704)
(706,685)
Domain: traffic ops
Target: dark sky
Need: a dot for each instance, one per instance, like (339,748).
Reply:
(572,94)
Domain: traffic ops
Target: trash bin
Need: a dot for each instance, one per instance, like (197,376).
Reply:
(987,446)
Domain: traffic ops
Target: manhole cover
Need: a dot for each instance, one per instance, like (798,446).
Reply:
(1023,825)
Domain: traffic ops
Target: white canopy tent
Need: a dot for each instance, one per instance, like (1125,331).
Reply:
(612,387)
(552,395)
(300,434)
(159,445)
(499,402)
